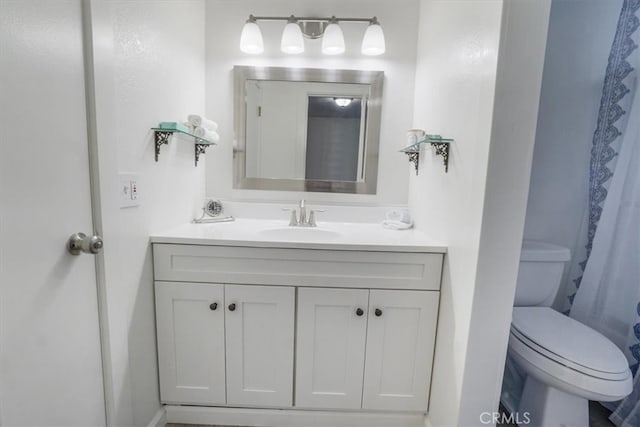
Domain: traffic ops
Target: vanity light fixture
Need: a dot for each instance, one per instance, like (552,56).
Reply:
(251,37)
(333,40)
(373,41)
(292,41)
(297,28)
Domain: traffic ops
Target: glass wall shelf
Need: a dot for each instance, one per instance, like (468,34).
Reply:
(438,143)
(161,136)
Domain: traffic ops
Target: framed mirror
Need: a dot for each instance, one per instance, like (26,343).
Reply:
(304,129)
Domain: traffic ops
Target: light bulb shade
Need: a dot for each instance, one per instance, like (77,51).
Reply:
(292,41)
(251,39)
(373,42)
(333,40)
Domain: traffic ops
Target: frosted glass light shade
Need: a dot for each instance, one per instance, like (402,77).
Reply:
(373,42)
(333,40)
(292,41)
(251,39)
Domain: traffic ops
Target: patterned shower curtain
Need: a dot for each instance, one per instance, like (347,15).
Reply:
(606,291)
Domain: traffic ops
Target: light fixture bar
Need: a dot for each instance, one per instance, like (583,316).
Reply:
(311,18)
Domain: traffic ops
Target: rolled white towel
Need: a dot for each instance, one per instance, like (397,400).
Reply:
(197,120)
(189,126)
(209,135)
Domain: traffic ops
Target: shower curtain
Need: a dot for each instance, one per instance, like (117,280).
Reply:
(609,296)
(607,292)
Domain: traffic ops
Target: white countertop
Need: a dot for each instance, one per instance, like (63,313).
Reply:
(278,234)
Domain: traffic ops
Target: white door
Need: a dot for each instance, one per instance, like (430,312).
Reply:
(400,342)
(332,325)
(190,327)
(50,366)
(259,337)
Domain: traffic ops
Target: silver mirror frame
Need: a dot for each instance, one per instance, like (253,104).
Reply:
(372,127)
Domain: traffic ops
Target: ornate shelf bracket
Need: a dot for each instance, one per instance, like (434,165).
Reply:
(439,144)
(201,148)
(442,149)
(414,157)
(161,137)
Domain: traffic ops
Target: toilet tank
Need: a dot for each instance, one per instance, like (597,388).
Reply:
(540,273)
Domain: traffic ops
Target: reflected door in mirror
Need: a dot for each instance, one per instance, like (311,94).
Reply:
(335,138)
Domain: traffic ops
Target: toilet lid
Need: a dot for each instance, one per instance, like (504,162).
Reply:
(569,342)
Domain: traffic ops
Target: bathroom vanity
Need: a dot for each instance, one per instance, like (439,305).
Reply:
(258,321)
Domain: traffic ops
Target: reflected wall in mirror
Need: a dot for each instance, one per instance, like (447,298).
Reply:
(307,129)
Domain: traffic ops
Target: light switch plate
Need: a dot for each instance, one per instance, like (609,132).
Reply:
(129,190)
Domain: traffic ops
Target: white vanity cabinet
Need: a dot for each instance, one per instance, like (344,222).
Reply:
(191,356)
(331,340)
(401,333)
(365,349)
(283,332)
(259,345)
(199,324)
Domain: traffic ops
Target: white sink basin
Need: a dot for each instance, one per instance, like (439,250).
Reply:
(295,233)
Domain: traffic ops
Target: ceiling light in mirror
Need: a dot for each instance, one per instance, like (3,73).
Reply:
(342,102)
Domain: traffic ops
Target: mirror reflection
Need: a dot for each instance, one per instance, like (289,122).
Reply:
(307,129)
(335,138)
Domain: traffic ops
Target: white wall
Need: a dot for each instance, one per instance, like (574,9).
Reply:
(149,61)
(478,82)
(399,19)
(518,82)
(580,37)
(455,84)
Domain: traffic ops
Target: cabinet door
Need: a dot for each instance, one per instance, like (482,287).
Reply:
(259,337)
(330,347)
(190,327)
(400,343)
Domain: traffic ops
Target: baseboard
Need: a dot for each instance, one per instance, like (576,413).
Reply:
(289,417)
(159,419)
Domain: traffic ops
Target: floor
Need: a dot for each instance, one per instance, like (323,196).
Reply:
(598,417)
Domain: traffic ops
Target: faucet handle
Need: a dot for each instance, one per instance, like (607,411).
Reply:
(294,218)
(312,217)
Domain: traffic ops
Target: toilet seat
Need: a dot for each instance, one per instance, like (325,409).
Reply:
(569,342)
(586,364)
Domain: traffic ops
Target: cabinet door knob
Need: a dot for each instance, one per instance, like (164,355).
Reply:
(359,312)
(213,305)
(232,307)
(378,312)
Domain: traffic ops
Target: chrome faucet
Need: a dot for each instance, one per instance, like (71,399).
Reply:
(303,213)
(306,219)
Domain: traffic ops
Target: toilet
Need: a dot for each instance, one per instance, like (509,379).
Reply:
(566,362)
